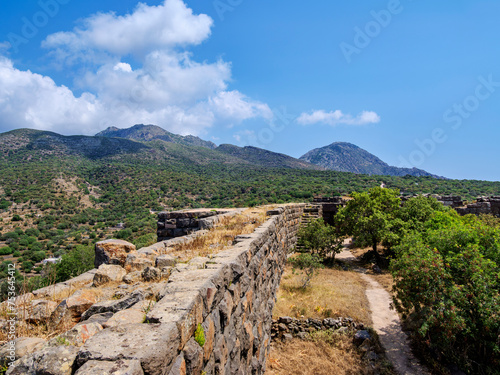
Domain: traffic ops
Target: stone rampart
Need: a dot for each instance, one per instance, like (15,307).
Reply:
(212,316)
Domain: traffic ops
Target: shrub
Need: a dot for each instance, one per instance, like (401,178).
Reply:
(6,250)
(308,264)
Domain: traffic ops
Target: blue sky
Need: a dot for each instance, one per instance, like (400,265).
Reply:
(414,82)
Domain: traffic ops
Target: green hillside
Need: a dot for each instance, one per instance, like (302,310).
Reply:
(59,192)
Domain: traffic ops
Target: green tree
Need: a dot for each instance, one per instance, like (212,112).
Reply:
(320,238)
(371,217)
(76,262)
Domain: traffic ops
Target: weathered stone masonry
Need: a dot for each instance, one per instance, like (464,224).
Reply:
(211,317)
(232,300)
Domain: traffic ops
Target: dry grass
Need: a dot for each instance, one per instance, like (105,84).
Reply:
(314,358)
(332,293)
(222,235)
(324,354)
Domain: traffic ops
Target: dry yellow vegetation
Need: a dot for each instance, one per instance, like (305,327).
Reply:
(316,357)
(222,235)
(332,293)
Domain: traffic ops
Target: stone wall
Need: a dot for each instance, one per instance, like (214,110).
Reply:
(212,316)
(226,306)
(483,205)
(181,223)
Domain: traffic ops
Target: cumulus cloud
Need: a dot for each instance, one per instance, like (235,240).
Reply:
(148,28)
(337,118)
(163,86)
(32,100)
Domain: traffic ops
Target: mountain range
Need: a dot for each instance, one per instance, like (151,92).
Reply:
(150,141)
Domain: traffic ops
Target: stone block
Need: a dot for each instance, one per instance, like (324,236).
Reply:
(193,355)
(119,367)
(108,273)
(132,277)
(22,346)
(113,305)
(154,345)
(179,367)
(185,308)
(137,262)
(77,335)
(151,274)
(112,252)
(129,316)
(57,360)
(165,261)
(99,318)
(39,311)
(71,309)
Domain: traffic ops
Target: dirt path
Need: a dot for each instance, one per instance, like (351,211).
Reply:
(386,322)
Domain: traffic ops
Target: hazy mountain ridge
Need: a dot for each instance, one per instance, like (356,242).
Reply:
(150,142)
(346,157)
(147,133)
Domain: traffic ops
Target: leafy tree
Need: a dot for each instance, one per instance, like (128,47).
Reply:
(320,238)
(418,210)
(370,217)
(308,264)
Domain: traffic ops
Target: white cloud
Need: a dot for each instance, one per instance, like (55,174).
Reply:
(338,117)
(124,67)
(148,28)
(34,101)
(165,86)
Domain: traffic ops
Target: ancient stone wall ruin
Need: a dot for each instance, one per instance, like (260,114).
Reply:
(211,316)
(181,223)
